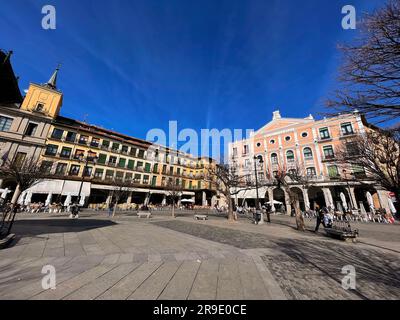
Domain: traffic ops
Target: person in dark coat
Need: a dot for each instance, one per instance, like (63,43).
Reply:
(320,219)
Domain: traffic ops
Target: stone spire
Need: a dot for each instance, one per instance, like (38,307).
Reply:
(276,115)
(52,83)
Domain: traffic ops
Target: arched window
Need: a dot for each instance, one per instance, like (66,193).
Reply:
(274,158)
(308,153)
(290,156)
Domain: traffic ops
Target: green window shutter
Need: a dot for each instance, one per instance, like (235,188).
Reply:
(102,158)
(121,162)
(131,164)
(147,167)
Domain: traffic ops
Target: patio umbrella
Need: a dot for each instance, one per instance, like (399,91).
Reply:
(21,198)
(48,199)
(82,200)
(164,201)
(187,200)
(391,206)
(28,198)
(340,207)
(344,201)
(67,201)
(4,193)
(370,202)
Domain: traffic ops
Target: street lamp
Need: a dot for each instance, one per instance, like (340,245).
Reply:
(87,159)
(258,213)
(348,187)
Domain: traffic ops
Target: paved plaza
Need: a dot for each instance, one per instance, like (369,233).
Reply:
(164,258)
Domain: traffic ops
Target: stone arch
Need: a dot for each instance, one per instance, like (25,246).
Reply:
(279,195)
(360,193)
(300,197)
(337,200)
(316,197)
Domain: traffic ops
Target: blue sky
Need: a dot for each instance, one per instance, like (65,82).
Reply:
(133,65)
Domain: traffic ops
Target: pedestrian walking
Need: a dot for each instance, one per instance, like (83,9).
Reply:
(110,209)
(320,219)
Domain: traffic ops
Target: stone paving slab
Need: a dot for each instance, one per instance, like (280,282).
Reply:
(166,258)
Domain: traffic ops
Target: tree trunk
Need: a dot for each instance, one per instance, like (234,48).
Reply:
(12,214)
(294,201)
(231,216)
(173,208)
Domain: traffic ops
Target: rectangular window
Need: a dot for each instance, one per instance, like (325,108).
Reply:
(98,173)
(154,181)
(183,184)
(91,156)
(109,174)
(128,176)
(121,162)
(147,167)
(5,123)
(131,164)
(112,160)
(155,168)
(105,144)
(164,169)
(137,178)
(245,149)
(83,139)
(358,171)
(247,163)
(31,129)
(57,134)
(51,150)
(145,179)
(87,171)
(119,176)
(328,152)
(141,154)
(65,152)
(95,142)
(102,158)
(39,107)
(133,152)
(61,169)
(46,166)
(124,149)
(235,152)
(115,146)
(198,184)
(163,181)
(70,137)
(346,128)
(171,170)
(190,184)
(139,165)
(352,149)
(324,133)
(333,172)
(74,171)
(311,172)
(79,154)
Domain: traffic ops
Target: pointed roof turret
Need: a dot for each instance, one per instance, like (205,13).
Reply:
(52,83)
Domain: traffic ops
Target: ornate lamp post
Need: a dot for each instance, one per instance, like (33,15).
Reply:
(258,212)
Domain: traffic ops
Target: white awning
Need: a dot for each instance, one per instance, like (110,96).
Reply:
(251,193)
(62,187)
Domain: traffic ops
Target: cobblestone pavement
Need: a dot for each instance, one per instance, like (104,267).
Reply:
(165,258)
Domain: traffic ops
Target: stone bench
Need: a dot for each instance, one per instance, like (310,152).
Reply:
(201,217)
(144,214)
(342,232)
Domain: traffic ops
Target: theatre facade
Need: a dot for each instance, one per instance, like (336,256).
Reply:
(309,145)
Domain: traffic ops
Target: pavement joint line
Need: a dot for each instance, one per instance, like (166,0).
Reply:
(63,298)
(62,282)
(180,264)
(194,280)
(119,281)
(161,264)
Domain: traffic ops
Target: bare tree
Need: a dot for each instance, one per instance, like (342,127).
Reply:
(227,182)
(371,71)
(287,177)
(378,153)
(121,189)
(25,175)
(174,191)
